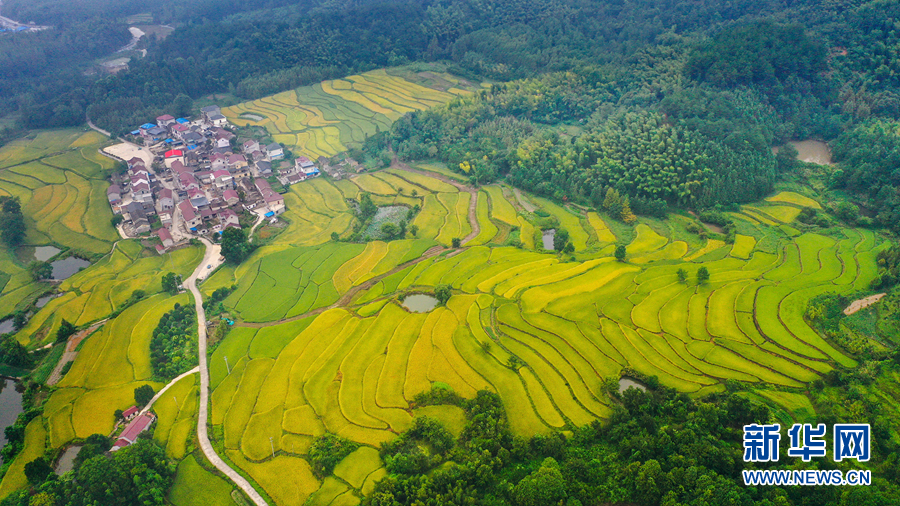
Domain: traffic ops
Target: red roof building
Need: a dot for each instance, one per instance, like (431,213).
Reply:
(129,413)
(134,429)
(174,153)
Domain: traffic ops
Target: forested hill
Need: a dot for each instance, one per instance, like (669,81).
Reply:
(677,102)
(284,43)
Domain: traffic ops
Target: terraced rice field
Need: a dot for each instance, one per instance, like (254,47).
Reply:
(325,118)
(60,180)
(354,370)
(322,343)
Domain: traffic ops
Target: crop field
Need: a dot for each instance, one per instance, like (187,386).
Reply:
(794,198)
(323,344)
(59,178)
(106,285)
(63,196)
(572,325)
(325,118)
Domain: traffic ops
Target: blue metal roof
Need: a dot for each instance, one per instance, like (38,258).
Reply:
(269,214)
(168,141)
(192,147)
(135,132)
(148,126)
(182,121)
(193,229)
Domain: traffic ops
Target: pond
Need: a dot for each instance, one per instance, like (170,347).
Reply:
(65,268)
(7,326)
(625,383)
(44,253)
(547,238)
(42,301)
(420,303)
(813,151)
(67,461)
(10,406)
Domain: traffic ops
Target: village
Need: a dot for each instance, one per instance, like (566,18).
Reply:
(191,178)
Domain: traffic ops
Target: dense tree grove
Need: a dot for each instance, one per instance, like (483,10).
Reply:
(869,156)
(235,246)
(660,447)
(173,348)
(265,47)
(137,474)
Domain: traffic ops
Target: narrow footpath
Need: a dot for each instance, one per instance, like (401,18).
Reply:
(210,262)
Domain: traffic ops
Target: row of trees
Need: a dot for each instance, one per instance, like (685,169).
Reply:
(12,222)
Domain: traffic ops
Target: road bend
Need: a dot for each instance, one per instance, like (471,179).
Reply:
(210,262)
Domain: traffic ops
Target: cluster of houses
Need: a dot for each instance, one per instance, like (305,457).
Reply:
(201,179)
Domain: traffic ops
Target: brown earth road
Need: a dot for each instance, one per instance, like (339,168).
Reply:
(70,353)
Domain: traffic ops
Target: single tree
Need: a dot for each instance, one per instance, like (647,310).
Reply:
(170,282)
(682,275)
(560,239)
(37,471)
(702,275)
(620,253)
(367,208)
(390,230)
(143,394)
(414,230)
(235,247)
(65,330)
(456,241)
(40,270)
(442,294)
(335,236)
(414,193)
(12,223)
(116,220)
(20,318)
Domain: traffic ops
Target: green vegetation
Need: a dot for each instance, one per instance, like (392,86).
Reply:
(139,473)
(173,349)
(143,394)
(326,451)
(12,223)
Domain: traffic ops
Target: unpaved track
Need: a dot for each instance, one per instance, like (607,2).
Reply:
(211,258)
(70,353)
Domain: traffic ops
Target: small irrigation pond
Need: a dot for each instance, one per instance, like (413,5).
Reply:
(547,238)
(67,267)
(10,406)
(420,303)
(625,383)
